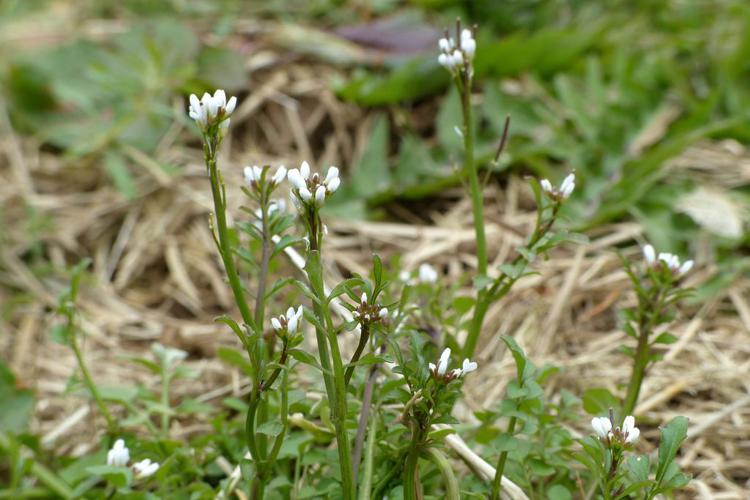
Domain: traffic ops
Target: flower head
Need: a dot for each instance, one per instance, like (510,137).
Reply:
(665,260)
(211,110)
(287,323)
(629,431)
(440,371)
(119,455)
(561,193)
(427,274)
(307,188)
(457,56)
(602,426)
(145,468)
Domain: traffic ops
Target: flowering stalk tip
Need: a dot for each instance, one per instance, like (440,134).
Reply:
(212,110)
(119,455)
(561,193)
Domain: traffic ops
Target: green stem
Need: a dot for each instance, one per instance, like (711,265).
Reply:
(470,170)
(451,483)
(642,354)
(363,338)
(368,464)
(333,370)
(225,246)
(165,401)
(111,425)
(412,486)
(497,483)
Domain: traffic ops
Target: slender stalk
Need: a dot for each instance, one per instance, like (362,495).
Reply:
(412,486)
(363,338)
(165,401)
(449,478)
(333,368)
(642,354)
(470,170)
(362,424)
(497,483)
(225,247)
(111,425)
(366,485)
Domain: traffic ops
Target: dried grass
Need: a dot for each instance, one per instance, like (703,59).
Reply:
(156,278)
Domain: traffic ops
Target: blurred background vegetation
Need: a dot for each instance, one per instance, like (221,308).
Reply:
(647,100)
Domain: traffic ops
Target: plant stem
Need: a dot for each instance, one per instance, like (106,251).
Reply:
(497,483)
(363,338)
(642,354)
(451,483)
(412,486)
(366,485)
(333,370)
(362,424)
(165,401)
(470,170)
(225,246)
(111,425)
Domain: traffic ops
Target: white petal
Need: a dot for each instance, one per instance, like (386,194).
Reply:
(567,186)
(431,366)
(628,424)
(296,179)
(333,173)
(649,254)
(601,426)
(633,435)
(221,98)
(292,325)
(445,60)
(279,175)
(363,298)
(383,313)
(320,194)
(333,185)
(686,266)
(304,169)
(305,193)
(469,47)
(466,34)
(231,104)
(444,44)
(276,324)
(546,185)
(468,366)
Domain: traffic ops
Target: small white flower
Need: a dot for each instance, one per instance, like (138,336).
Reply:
(445,61)
(443,362)
(305,194)
(279,175)
(289,321)
(457,58)
(304,169)
(602,426)
(629,430)
(249,174)
(168,355)
(296,179)
(568,185)
(333,173)
(145,468)
(320,194)
(119,455)
(427,274)
(275,324)
(649,254)
(383,313)
(565,189)
(446,44)
(208,109)
(468,366)
(363,298)
(431,366)
(685,267)
(469,47)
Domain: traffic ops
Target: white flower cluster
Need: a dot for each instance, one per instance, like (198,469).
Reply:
(628,434)
(253,175)
(565,189)
(425,274)
(287,323)
(211,110)
(441,370)
(168,355)
(670,261)
(455,56)
(310,188)
(119,456)
(367,313)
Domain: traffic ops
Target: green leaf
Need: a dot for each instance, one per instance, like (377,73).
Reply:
(235,358)
(117,476)
(638,467)
(598,401)
(16,403)
(518,355)
(558,492)
(271,428)
(672,436)
(450,121)
(371,174)
(223,68)
(121,177)
(665,338)
(305,357)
